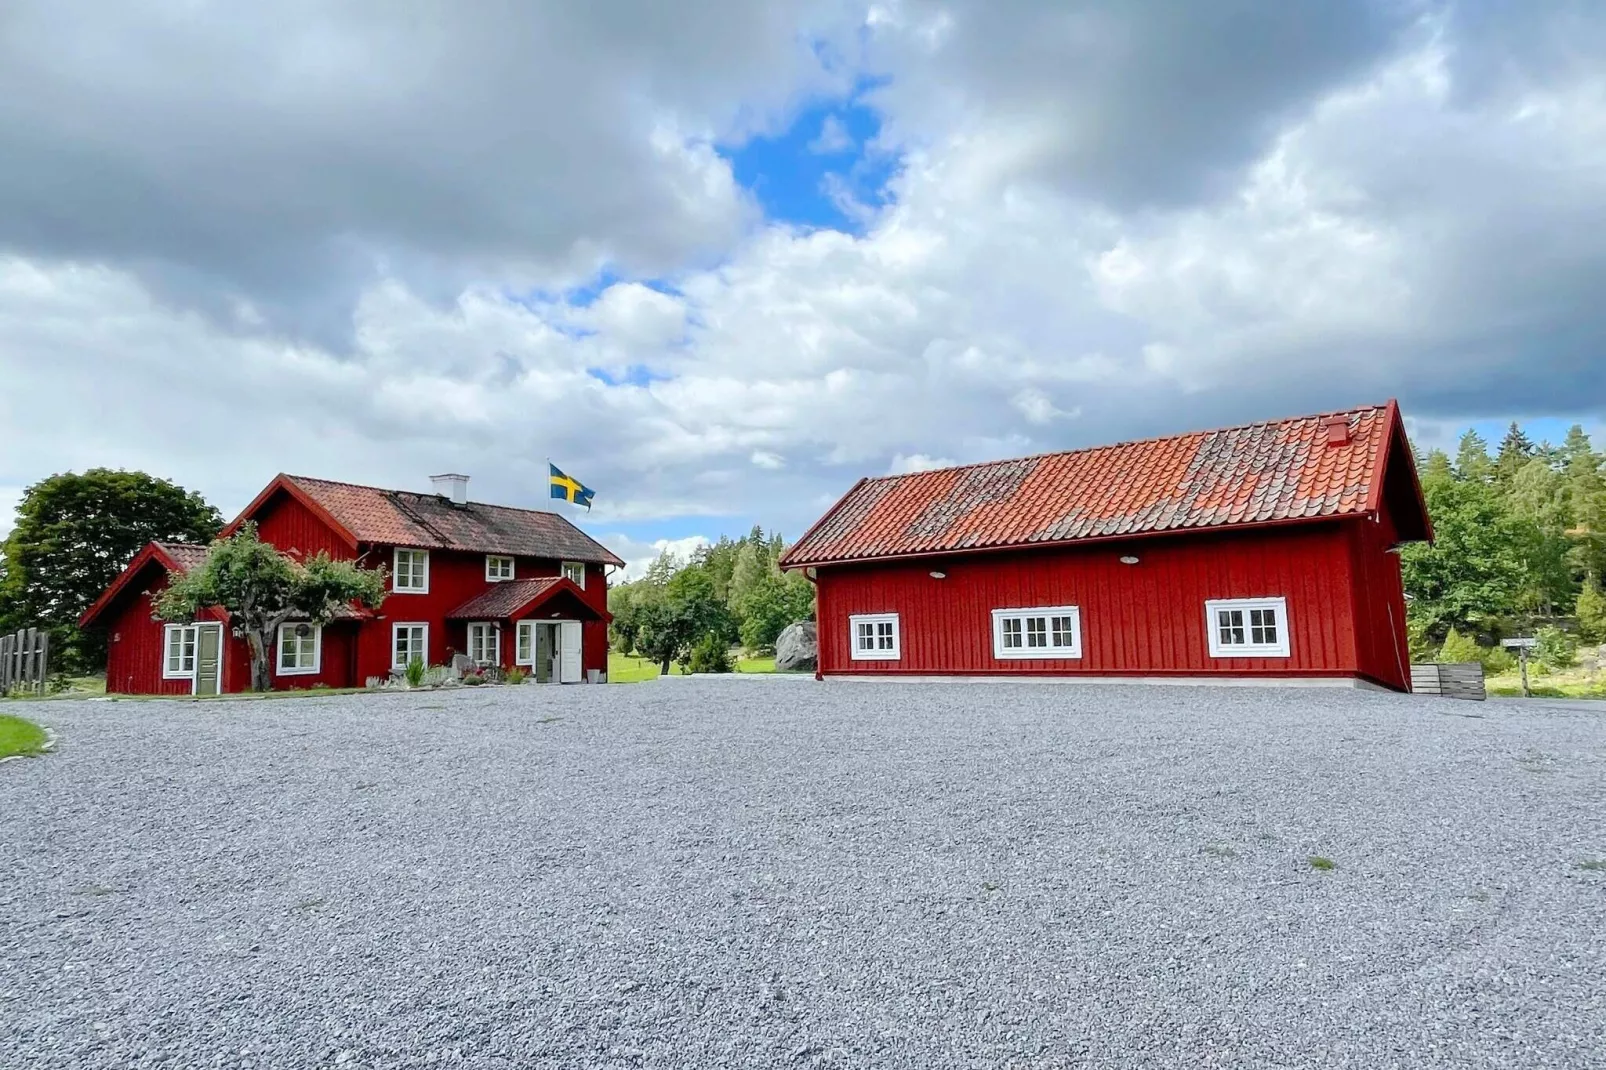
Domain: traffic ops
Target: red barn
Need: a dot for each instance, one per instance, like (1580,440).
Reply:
(503,586)
(1264,552)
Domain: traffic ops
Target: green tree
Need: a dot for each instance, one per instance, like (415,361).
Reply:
(1591,611)
(1472,571)
(751,571)
(260,589)
(674,617)
(74,534)
(1459,648)
(1472,458)
(1436,463)
(1516,450)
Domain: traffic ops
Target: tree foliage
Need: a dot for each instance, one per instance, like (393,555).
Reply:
(74,534)
(1520,535)
(259,589)
(728,592)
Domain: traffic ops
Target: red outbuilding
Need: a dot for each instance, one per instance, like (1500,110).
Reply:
(1265,552)
(502,586)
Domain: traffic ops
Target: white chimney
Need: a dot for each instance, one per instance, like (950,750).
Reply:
(451,486)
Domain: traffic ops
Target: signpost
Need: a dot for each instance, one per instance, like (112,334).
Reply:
(1522,646)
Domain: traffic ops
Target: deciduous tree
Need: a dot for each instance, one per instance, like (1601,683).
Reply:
(259,589)
(74,534)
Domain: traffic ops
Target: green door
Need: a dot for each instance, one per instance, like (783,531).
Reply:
(208,658)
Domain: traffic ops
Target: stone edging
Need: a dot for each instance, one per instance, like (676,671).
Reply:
(50,745)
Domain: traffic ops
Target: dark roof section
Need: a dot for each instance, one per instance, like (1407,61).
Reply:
(429,521)
(1307,468)
(171,556)
(519,598)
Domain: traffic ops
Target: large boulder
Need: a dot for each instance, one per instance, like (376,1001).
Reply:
(797,649)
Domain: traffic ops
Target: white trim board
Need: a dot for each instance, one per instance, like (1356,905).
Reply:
(1352,682)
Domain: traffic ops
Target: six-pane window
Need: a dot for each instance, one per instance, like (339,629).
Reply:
(498,568)
(1042,632)
(180,643)
(411,573)
(409,641)
(299,649)
(1248,628)
(576,572)
(484,644)
(875,637)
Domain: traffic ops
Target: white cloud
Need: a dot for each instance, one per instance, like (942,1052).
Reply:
(833,138)
(904,464)
(639,556)
(1384,230)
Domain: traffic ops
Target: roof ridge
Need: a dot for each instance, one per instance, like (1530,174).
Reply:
(427,494)
(1130,442)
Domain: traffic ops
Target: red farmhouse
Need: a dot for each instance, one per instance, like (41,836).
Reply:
(1258,552)
(504,586)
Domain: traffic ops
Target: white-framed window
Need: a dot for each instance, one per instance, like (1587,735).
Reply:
(498,568)
(408,641)
(300,649)
(875,637)
(1247,627)
(411,572)
(178,644)
(1038,632)
(485,643)
(524,643)
(576,572)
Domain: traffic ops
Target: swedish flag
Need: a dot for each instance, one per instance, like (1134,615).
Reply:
(569,489)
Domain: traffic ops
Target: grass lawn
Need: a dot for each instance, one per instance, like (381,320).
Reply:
(1563,683)
(628,669)
(20,737)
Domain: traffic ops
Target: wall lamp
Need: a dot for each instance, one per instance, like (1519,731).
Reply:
(1128,559)
(939,575)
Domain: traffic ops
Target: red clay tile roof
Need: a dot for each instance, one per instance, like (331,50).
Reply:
(1259,473)
(429,521)
(504,600)
(183,554)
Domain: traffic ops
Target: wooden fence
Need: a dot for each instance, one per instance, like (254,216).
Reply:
(1449,679)
(24,661)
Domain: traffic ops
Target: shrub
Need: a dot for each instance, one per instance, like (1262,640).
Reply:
(1591,611)
(1556,649)
(1458,648)
(473,679)
(1498,661)
(515,675)
(415,672)
(710,654)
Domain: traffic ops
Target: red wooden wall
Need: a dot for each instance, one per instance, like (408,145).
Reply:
(1379,599)
(1144,619)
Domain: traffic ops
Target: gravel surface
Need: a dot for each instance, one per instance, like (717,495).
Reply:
(711,873)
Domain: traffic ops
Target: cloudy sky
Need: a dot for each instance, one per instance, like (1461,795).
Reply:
(719,260)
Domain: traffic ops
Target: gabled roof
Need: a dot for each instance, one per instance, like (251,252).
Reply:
(1278,472)
(520,598)
(175,557)
(362,514)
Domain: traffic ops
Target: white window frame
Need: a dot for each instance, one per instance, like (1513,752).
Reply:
(494,639)
(1049,649)
(578,567)
(877,653)
(317,650)
(189,635)
(412,571)
(494,575)
(395,629)
(1247,649)
(524,639)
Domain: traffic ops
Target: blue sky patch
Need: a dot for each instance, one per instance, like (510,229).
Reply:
(801,175)
(634,375)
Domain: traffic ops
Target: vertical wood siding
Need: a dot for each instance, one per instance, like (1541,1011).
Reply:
(1379,604)
(1144,619)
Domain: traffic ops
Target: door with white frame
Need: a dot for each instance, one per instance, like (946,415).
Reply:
(550,649)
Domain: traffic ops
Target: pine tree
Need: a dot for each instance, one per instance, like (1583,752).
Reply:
(1436,465)
(1591,611)
(1472,458)
(1516,450)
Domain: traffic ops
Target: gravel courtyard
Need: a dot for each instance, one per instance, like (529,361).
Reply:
(763,873)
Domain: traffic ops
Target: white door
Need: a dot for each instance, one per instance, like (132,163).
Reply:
(569,652)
